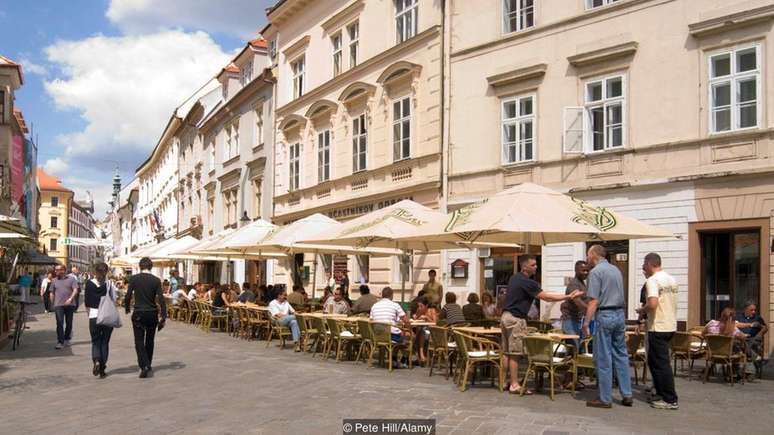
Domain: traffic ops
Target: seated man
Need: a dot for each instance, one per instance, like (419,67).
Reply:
(297,297)
(366,300)
(194,291)
(452,312)
(473,311)
(336,304)
(177,294)
(751,323)
(387,311)
(247,295)
(284,315)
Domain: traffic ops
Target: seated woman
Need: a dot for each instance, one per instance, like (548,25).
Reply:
(426,312)
(726,325)
(452,312)
(473,311)
(488,305)
(165,288)
(220,297)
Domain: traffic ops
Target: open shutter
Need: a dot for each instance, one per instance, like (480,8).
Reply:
(572,138)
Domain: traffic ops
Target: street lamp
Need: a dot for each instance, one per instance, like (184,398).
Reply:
(245,219)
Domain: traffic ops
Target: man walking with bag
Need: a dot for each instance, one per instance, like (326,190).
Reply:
(64,292)
(661,306)
(148,306)
(605,288)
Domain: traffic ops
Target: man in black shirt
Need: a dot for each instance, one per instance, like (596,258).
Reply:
(521,294)
(149,304)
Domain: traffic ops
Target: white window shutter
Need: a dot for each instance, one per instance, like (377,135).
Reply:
(572,138)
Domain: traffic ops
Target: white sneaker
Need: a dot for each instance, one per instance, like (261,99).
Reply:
(660,404)
(58,346)
(67,343)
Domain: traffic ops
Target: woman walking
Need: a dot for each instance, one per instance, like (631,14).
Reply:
(100,334)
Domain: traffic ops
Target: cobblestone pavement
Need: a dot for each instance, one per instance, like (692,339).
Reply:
(212,383)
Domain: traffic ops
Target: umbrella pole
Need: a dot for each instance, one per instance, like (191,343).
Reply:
(402,278)
(314,275)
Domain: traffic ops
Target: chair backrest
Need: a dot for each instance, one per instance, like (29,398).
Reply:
(318,324)
(539,349)
(381,332)
(333,326)
(585,346)
(439,337)
(719,346)
(681,342)
(301,320)
(633,342)
(463,344)
(364,328)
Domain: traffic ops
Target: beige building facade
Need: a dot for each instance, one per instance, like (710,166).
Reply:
(358,121)
(54,217)
(658,109)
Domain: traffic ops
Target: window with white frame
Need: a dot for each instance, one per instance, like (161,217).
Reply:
(298,68)
(231,146)
(401,129)
(518,129)
(259,125)
(604,106)
(518,15)
(211,157)
(337,53)
(323,156)
(354,43)
(359,143)
(591,4)
(227,144)
(246,73)
(734,87)
(294,166)
(406,19)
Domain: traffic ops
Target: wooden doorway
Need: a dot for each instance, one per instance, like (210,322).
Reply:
(618,256)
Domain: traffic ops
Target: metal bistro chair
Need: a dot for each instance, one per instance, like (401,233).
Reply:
(637,356)
(382,337)
(275,329)
(323,337)
(203,314)
(258,324)
(440,350)
(341,335)
(720,350)
(584,359)
(685,348)
(183,311)
(474,351)
(540,352)
(218,317)
(366,339)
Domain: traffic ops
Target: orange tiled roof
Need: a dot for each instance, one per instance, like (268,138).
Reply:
(259,42)
(231,68)
(49,182)
(4,61)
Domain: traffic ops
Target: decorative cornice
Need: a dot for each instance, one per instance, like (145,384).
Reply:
(728,22)
(603,54)
(335,22)
(349,75)
(296,47)
(517,75)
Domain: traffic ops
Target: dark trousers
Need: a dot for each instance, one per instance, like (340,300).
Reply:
(64,323)
(47,300)
(660,368)
(100,341)
(144,324)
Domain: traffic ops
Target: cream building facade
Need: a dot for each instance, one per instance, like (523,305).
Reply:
(54,216)
(358,120)
(226,163)
(659,109)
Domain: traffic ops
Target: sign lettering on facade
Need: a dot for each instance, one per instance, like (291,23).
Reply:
(359,210)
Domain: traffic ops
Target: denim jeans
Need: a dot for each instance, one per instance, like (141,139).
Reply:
(64,315)
(571,327)
(290,320)
(100,341)
(610,354)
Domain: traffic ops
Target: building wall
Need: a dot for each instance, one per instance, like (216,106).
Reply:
(158,181)
(47,232)
(81,224)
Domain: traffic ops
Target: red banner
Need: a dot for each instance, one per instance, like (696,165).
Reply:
(17,169)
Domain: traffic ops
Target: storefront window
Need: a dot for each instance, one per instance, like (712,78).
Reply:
(730,270)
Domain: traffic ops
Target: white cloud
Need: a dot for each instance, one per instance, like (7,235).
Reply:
(241,18)
(125,89)
(31,67)
(56,166)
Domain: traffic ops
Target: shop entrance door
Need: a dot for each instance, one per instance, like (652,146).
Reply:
(618,256)
(730,270)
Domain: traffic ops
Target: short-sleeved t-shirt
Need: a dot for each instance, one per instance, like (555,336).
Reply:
(606,285)
(387,311)
(63,289)
(568,308)
(664,287)
(521,294)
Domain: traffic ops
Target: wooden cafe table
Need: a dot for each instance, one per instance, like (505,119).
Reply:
(478,330)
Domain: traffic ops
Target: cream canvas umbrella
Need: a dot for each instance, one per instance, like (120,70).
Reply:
(168,251)
(533,215)
(250,234)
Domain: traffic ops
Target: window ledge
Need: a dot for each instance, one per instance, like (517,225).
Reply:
(517,75)
(726,23)
(258,148)
(603,54)
(519,165)
(231,160)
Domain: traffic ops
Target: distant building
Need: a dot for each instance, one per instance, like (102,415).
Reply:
(54,216)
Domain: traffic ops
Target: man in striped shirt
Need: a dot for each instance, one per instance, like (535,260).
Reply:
(387,311)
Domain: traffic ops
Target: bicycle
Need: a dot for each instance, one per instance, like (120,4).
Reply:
(21,322)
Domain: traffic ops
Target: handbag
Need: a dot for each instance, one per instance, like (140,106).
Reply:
(107,313)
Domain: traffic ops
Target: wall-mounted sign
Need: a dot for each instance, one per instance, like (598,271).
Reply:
(459,269)
(361,209)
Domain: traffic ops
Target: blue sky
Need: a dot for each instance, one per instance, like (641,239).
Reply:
(102,77)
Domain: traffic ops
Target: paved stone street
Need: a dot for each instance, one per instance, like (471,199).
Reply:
(212,383)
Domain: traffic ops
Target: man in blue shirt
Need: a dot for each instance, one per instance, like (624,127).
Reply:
(751,323)
(605,288)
